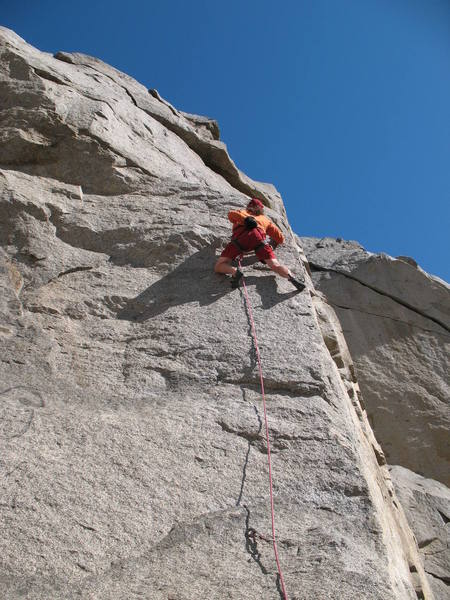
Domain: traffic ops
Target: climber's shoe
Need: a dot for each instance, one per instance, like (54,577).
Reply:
(236,279)
(298,284)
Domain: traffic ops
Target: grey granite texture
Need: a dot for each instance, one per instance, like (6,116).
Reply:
(132,457)
(427,506)
(396,320)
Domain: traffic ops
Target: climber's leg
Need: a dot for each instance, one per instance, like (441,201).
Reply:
(278,267)
(284,272)
(223,265)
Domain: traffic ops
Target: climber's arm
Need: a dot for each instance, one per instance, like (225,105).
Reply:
(273,231)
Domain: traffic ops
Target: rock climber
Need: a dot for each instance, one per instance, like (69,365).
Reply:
(250,227)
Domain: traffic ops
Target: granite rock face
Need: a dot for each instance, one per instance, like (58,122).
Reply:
(133,462)
(427,506)
(396,320)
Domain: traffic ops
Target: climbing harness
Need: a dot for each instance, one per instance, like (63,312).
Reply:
(249,239)
(261,380)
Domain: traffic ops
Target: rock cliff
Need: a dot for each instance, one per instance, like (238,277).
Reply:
(396,320)
(427,506)
(132,455)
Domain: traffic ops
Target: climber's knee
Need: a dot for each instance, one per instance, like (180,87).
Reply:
(223,265)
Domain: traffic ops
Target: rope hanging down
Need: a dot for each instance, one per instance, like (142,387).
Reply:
(261,379)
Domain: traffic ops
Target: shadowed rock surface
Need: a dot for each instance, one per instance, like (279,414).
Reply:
(132,458)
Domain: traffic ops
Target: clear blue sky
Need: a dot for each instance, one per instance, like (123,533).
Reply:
(343,104)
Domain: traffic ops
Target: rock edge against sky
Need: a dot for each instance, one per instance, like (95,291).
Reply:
(132,455)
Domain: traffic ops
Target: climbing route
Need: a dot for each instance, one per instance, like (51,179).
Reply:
(266,425)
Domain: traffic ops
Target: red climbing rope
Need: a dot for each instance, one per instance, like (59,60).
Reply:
(261,379)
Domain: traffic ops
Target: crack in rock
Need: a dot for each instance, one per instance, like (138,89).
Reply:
(316,267)
(366,312)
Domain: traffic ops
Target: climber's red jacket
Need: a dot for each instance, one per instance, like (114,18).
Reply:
(237,217)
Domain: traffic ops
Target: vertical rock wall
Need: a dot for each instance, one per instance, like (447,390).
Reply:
(133,462)
(427,506)
(396,321)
